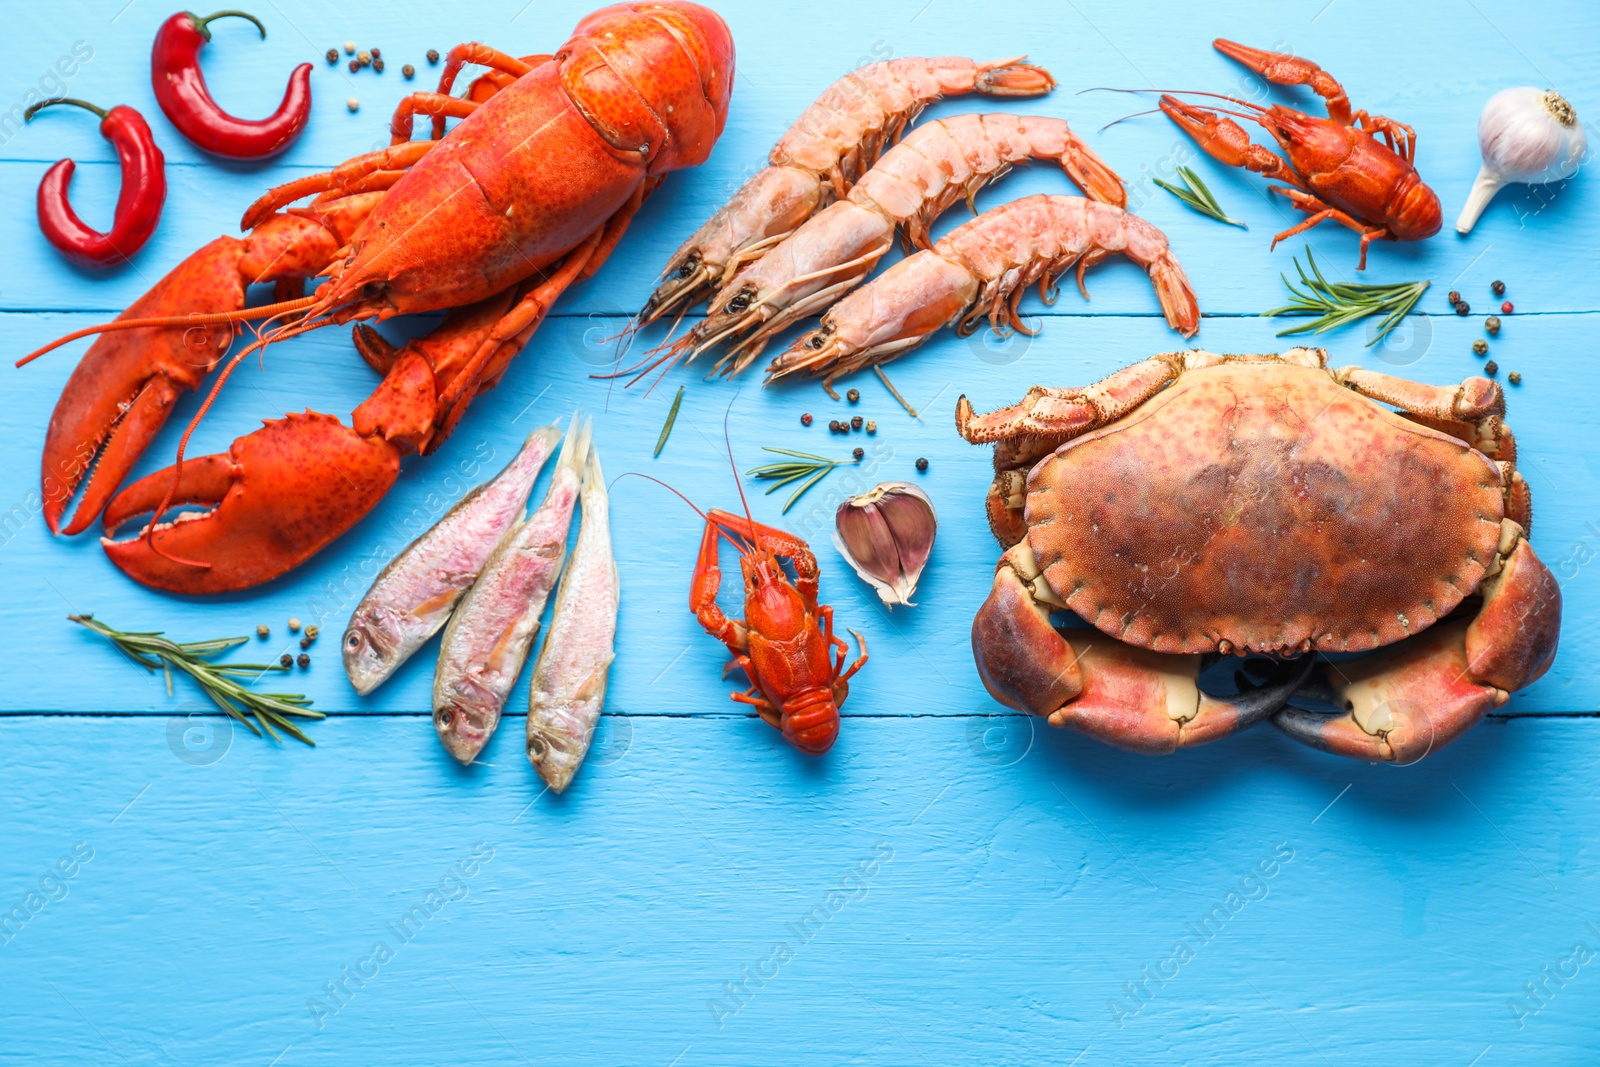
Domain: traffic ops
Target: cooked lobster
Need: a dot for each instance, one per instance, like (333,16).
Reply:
(491,221)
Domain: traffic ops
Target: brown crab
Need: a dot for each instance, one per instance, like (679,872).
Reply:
(1196,503)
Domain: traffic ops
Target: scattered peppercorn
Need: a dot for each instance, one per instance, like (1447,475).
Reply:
(354,66)
(377,66)
(1515,377)
(1497,288)
(860,454)
(263,631)
(304,661)
(376,53)
(1492,324)
(1455,297)
(408,71)
(922,464)
(1506,308)
(349,48)
(294,625)
(333,55)
(433,55)
(312,631)
(856,422)
(833,425)
(353,104)
(1491,368)
(1463,308)
(1480,347)
(364,57)
(286,660)
(805,420)
(872,426)
(853,395)
(305,642)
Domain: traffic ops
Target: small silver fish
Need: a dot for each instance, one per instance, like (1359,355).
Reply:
(569,680)
(490,634)
(414,595)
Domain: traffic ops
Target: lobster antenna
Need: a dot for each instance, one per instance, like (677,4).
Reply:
(737,484)
(651,478)
(205,405)
(215,319)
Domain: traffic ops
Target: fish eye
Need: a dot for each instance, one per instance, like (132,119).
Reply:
(444,717)
(352,640)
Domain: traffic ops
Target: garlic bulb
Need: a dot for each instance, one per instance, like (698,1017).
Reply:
(1526,135)
(887,535)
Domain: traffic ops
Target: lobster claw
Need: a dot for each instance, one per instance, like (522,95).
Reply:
(123,389)
(277,497)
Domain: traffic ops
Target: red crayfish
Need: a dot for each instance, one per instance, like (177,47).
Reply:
(528,194)
(1351,167)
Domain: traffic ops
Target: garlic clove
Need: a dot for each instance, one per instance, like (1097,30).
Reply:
(886,535)
(1525,135)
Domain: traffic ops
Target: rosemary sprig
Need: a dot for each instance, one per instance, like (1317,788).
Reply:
(151,650)
(1338,303)
(1197,196)
(802,465)
(672,417)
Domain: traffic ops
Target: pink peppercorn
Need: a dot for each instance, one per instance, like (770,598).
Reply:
(1506,308)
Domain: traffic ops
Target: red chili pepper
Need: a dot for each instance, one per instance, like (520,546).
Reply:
(144,190)
(181,91)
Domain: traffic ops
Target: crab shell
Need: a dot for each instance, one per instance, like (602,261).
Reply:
(1198,503)
(1263,507)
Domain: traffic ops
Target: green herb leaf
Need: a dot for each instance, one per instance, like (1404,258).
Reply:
(1197,196)
(812,468)
(1337,303)
(672,417)
(151,650)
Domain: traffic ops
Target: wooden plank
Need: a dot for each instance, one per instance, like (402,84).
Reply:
(1013,887)
(922,660)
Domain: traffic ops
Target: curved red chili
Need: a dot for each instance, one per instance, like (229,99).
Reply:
(144,190)
(181,91)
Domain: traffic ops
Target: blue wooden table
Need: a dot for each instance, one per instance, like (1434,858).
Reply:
(952,884)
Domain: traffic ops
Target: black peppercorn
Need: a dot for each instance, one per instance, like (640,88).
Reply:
(305,642)
(856,422)
(286,660)
(922,464)
(853,395)
(1455,297)
(376,53)
(433,55)
(833,425)
(1480,347)
(1491,368)
(333,55)
(377,64)
(355,65)
(407,71)
(1463,308)
(860,454)
(1497,288)
(304,661)
(805,420)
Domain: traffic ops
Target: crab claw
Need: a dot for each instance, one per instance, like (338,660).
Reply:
(278,496)
(1124,696)
(123,389)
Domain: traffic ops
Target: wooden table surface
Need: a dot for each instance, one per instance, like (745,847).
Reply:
(952,884)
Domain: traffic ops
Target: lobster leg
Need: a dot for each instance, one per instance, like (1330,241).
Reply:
(1125,696)
(1321,212)
(1285,69)
(348,177)
(704,585)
